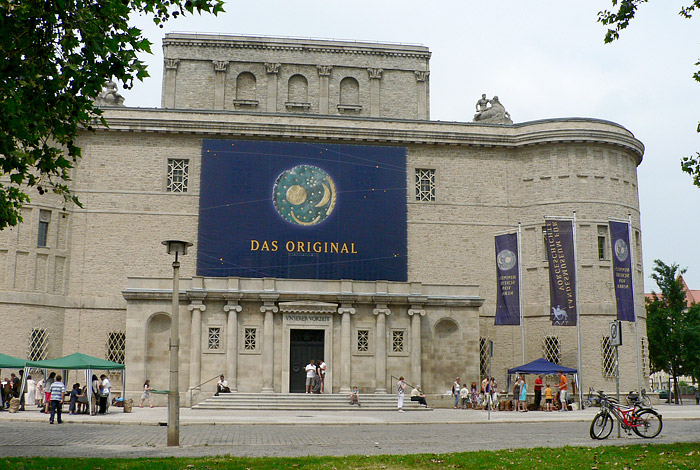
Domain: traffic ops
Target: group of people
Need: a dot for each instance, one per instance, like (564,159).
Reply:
(316,376)
(486,397)
(416,394)
(520,394)
(49,394)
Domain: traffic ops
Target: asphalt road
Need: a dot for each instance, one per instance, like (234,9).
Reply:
(128,441)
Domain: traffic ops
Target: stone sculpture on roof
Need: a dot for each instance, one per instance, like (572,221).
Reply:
(109,96)
(491,111)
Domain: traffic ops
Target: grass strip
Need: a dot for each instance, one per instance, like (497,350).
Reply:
(628,457)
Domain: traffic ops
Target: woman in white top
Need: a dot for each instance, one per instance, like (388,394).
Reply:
(30,390)
(39,393)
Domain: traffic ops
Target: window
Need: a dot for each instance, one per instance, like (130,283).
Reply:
(607,356)
(38,344)
(425,185)
(363,340)
(250,339)
(178,170)
(397,341)
(602,241)
(214,339)
(483,356)
(550,349)
(44,219)
(116,345)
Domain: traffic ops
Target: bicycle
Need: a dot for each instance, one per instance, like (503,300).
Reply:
(644,422)
(633,398)
(591,400)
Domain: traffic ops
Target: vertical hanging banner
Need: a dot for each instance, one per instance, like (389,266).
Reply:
(559,241)
(622,270)
(507,279)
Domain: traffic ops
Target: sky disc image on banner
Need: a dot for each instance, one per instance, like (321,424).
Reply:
(302,210)
(559,239)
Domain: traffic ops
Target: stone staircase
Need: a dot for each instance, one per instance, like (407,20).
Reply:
(303,402)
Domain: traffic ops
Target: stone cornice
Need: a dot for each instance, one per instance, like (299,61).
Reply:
(390,131)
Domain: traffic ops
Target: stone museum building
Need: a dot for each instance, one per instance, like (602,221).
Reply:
(330,219)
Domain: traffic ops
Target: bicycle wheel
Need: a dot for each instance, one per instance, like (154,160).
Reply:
(602,426)
(646,401)
(648,423)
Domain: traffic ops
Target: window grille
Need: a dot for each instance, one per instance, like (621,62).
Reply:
(250,339)
(44,219)
(397,341)
(116,345)
(550,349)
(214,340)
(363,340)
(178,172)
(38,344)
(607,355)
(425,185)
(484,356)
(602,241)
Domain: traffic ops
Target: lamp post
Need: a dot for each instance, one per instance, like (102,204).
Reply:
(176,247)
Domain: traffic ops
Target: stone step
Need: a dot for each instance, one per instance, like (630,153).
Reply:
(302,402)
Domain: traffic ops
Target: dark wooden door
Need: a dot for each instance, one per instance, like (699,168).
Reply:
(304,345)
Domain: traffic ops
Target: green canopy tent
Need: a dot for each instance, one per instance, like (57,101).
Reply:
(77,361)
(10,362)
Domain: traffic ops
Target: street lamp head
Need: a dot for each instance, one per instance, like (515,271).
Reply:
(176,247)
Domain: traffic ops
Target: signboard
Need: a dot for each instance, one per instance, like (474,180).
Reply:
(302,210)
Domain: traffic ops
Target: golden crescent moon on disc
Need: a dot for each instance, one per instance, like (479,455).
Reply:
(326,196)
(334,195)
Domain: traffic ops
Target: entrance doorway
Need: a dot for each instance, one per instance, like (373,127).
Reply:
(304,345)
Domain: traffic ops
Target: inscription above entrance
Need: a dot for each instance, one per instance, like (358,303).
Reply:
(308,318)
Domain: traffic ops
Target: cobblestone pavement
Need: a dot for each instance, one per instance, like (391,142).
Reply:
(97,440)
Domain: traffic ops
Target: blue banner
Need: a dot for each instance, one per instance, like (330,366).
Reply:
(302,210)
(622,270)
(559,241)
(507,280)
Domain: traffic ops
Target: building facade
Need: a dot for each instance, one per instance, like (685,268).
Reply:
(392,271)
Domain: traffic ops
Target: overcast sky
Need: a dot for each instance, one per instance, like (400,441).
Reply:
(544,59)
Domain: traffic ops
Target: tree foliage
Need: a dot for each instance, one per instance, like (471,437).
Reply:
(619,19)
(55,56)
(673,326)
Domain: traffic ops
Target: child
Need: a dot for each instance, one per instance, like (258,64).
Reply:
(548,398)
(83,401)
(146,395)
(355,396)
(74,394)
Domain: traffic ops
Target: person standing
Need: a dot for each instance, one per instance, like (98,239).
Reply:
(105,392)
(95,395)
(516,394)
(400,388)
(455,391)
(523,395)
(310,375)
(563,390)
(322,367)
(548,398)
(538,391)
(484,386)
(57,394)
(47,391)
(494,394)
(31,386)
(39,395)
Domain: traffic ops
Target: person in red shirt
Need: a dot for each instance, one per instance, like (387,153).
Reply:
(538,391)
(563,387)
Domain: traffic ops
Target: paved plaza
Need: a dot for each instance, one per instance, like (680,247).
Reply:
(285,433)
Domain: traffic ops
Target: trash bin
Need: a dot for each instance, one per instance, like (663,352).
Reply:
(14,405)
(128,405)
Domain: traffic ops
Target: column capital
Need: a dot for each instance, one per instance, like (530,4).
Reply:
(416,311)
(382,309)
(324,70)
(172,64)
(220,65)
(232,306)
(269,307)
(272,67)
(197,305)
(344,310)
(421,75)
(375,74)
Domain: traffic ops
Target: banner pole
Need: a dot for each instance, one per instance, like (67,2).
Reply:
(520,290)
(578,319)
(637,345)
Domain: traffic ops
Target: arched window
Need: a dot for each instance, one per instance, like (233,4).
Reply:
(349,91)
(245,86)
(298,89)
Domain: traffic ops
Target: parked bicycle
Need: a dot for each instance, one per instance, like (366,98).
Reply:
(644,422)
(635,399)
(591,399)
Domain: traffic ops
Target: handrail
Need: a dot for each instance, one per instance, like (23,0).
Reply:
(397,379)
(205,382)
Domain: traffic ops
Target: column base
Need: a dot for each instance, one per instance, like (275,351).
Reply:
(267,390)
(344,390)
(380,390)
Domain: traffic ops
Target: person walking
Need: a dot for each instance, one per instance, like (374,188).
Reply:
(400,388)
(57,394)
(146,395)
(455,392)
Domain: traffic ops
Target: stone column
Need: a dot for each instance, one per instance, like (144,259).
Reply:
(415,312)
(324,74)
(268,356)
(345,312)
(272,71)
(219,83)
(375,75)
(381,313)
(169,77)
(233,309)
(196,307)
(422,86)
